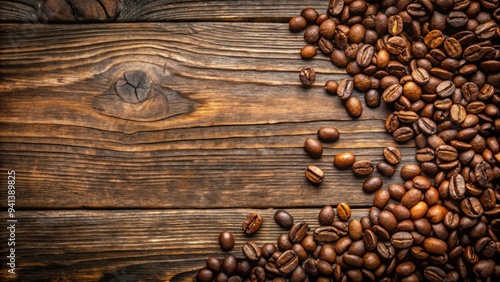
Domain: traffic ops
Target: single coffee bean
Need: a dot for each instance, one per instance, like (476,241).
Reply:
(327,28)
(388,220)
(427,126)
(396,45)
(339,58)
(434,39)
(362,167)
(297,23)
(204,275)
(287,261)
(445,89)
(452,47)
(311,34)
(298,231)
(420,76)
(308,51)
(331,87)
(283,219)
(328,134)
(343,211)
(457,113)
(251,251)
(370,240)
(434,274)
(372,184)
(345,88)
(381,199)
(314,174)
(372,98)
(344,160)
(313,147)
(391,122)
(411,197)
(307,75)
(395,25)
(326,216)
(403,134)
(471,207)
(252,223)
(355,229)
(486,30)
(386,169)
(354,107)
(392,155)
(226,240)
(435,246)
(229,265)
(326,234)
(402,240)
(365,55)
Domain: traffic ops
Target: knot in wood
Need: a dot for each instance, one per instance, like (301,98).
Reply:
(133,86)
(77,10)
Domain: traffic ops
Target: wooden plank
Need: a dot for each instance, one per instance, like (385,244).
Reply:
(226,117)
(133,245)
(30,11)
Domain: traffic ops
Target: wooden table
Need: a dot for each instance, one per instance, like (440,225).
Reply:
(112,186)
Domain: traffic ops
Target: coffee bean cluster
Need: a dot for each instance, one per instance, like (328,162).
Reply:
(435,63)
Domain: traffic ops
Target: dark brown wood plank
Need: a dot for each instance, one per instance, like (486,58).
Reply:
(32,11)
(223,126)
(133,245)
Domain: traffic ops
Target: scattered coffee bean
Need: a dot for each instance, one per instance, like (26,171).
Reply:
(328,134)
(307,75)
(343,211)
(252,223)
(313,147)
(226,240)
(314,174)
(283,219)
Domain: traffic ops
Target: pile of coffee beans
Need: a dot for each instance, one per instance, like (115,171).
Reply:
(435,63)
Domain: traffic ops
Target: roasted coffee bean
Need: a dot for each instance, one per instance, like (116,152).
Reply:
(365,55)
(435,246)
(252,223)
(307,75)
(308,51)
(445,89)
(420,76)
(345,88)
(326,215)
(370,240)
(434,274)
(362,167)
(457,113)
(226,240)
(339,58)
(388,220)
(372,184)
(452,47)
(297,23)
(427,126)
(457,19)
(395,25)
(355,229)
(391,123)
(402,240)
(386,169)
(313,147)
(283,219)
(326,234)
(471,207)
(354,107)
(343,211)
(434,39)
(410,171)
(229,265)
(298,231)
(403,134)
(331,86)
(392,155)
(396,45)
(486,30)
(314,174)
(311,34)
(328,134)
(287,261)
(251,251)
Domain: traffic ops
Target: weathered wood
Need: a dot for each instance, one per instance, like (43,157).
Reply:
(133,245)
(154,10)
(222,123)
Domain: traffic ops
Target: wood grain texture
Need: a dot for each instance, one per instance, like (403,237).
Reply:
(233,131)
(29,11)
(133,245)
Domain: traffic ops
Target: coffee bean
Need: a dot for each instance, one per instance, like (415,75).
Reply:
(427,126)
(435,246)
(327,28)
(452,47)
(381,198)
(344,160)
(372,98)
(326,234)
(486,30)
(313,147)
(226,240)
(403,134)
(307,75)
(471,207)
(420,76)
(372,184)
(326,215)
(229,265)
(331,87)
(396,45)
(204,275)
(339,58)
(445,89)
(345,88)
(362,167)
(283,219)
(434,274)
(402,240)
(297,23)
(388,220)
(287,261)
(314,174)
(252,223)
(298,231)
(395,25)
(343,211)
(392,155)
(365,55)
(251,251)
(434,39)
(311,34)
(355,229)
(328,134)
(308,52)
(353,107)
(386,169)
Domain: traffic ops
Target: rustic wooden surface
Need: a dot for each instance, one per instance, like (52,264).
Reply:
(113,190)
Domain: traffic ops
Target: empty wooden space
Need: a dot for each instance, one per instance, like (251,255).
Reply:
(109,188)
